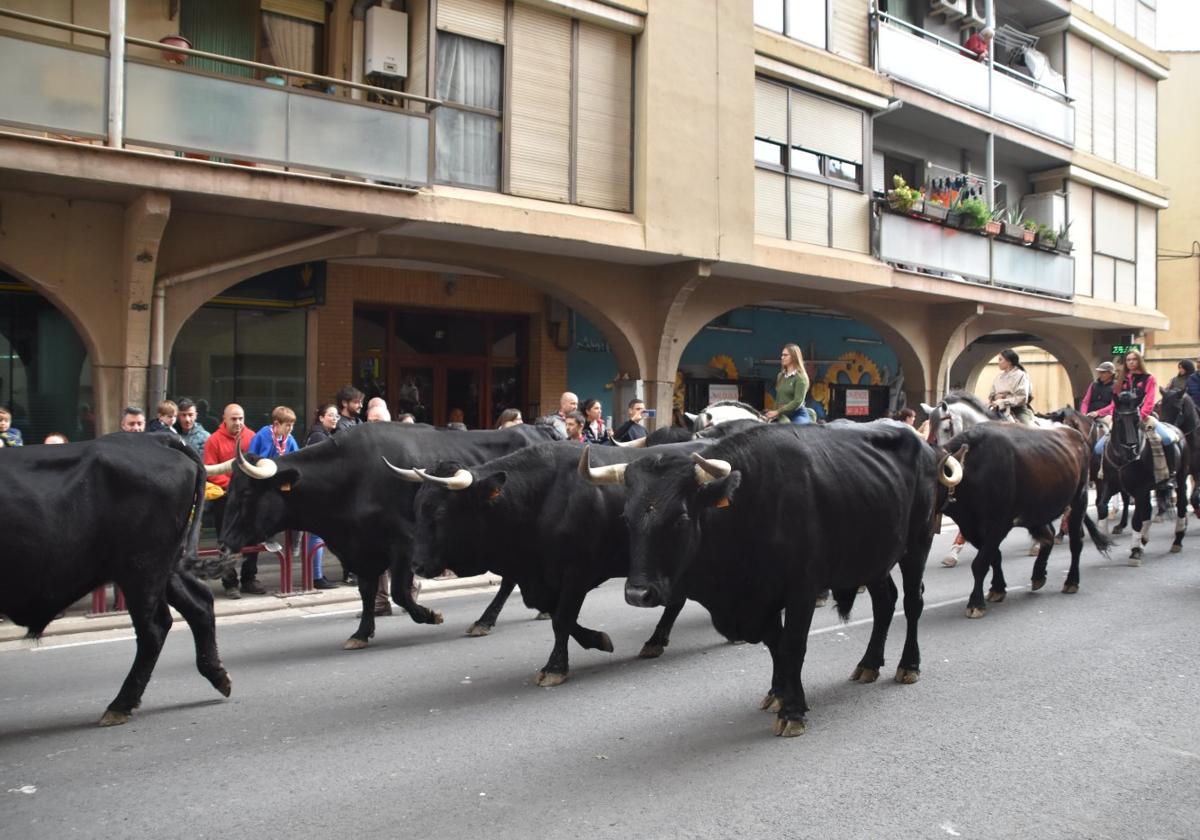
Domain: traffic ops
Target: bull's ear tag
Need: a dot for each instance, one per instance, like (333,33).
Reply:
(285,488)
(724,503)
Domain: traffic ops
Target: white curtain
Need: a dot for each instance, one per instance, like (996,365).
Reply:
(293,42)
(468,144)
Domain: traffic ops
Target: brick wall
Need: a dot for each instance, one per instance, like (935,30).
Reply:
(348,285)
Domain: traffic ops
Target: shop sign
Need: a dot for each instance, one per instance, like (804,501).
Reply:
(716,393)
(858,402)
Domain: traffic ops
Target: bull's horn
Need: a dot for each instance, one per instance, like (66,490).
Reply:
(710,469)
(408,475)
(632,444)
(611,474)
(265,468)
(223,468)
(461,480)
(951,472)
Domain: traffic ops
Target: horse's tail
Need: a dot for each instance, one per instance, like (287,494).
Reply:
(1101,541)
(844,598)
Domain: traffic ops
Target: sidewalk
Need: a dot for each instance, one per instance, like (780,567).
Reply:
(76,619)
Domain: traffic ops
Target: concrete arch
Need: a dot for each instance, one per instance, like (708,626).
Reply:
(90,341)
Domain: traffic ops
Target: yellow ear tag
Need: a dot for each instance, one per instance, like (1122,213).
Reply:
(285,488)
(724,502)
(495,494)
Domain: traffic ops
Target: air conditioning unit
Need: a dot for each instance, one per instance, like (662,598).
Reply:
(948,9)
(386,48)
(976,15)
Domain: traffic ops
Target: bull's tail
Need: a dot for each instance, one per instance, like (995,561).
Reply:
(844,599)
(1099,539)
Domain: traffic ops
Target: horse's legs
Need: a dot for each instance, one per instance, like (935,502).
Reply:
(1181,502)
(1140,533)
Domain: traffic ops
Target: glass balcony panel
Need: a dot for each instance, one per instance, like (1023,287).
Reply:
(1045,113)
(339,136)
(913,243)
(1033,270)
(53,88)
(930,65)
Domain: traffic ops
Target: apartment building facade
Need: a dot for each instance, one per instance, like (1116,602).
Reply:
(475,203)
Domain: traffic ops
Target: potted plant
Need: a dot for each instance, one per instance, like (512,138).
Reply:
(975,214)
(902,197)
(935,210)
(1046,237)
(1030,232)
(1063,243)
(1012,222)
(954,214)
(175,41)
(994,222)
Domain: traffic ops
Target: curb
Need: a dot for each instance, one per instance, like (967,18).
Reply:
(75,623)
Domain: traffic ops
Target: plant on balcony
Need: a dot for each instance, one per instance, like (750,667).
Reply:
(935,210)
(975,213)
(994,222)
(1046,237)
(902,197)
(1030,233)
(954,213)
(1013,220)
(1063,243)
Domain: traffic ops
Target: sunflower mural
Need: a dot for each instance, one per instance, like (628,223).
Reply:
(851,368)
(724,364)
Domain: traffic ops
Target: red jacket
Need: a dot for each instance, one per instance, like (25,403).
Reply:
(219,448)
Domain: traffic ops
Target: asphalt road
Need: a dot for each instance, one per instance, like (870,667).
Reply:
(1055,716)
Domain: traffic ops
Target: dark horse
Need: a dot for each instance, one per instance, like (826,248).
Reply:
(1129,468)
(1177,408)
(1092,431)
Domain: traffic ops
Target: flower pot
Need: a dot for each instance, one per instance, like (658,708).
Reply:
(954,220)
(175,41)
(1063,244)
(992,228)
(1045,243)
(903,206)
(1011,231)
(936,212)
(1027,236)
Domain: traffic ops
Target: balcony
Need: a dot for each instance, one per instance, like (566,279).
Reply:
(915,244)
(941,67)
(63,90)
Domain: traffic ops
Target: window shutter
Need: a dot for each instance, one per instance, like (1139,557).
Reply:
(1146,25)
(540,104)
(877,167)
(1079,204)
(1105,10)
(1147,264)
(604,118)
(850,220)
(1126,117)
(1147,125)
(1127,16)
(1103,106)
(1079,86)
(850,29)
(1116,226)
(417,82)
(310,10)
(1104,278)
(770,111)
(823,126)
(770,204)
(810,212)
(482,19)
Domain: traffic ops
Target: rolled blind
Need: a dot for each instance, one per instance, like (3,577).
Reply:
(1147,263)
(1147,125)
(850,221)
(482,19)
(310,10)
(1126,115)
(770,111)
(1116,226)
(1124,282)
(540,104)
(1104,277)
(1103,106)
(850,30)
(418,22)
(1146,25)
(604,118)
(810,212)
(1105,10)
(823,126)
(1079,85)
(1127,16)
(770,204)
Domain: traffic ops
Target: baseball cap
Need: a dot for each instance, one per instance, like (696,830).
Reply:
(1106,367)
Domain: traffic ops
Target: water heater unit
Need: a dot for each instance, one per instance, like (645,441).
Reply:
(386,52)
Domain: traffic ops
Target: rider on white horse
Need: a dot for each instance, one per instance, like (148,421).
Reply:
(1011,390)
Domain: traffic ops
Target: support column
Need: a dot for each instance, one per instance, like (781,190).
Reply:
(673,287)
(145,220)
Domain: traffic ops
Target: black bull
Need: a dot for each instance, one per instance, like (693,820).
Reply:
(774,515)
(534,517)
(1015,475)
(123,509)
(341,490)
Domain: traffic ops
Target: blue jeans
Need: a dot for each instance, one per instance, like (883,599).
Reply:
(1163,434)
(312,540)
(800,416)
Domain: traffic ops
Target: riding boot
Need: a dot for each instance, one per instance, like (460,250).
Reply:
(1161,473)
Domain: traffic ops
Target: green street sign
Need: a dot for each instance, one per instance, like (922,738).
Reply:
(1122,349)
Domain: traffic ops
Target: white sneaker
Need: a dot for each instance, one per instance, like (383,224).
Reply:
(951,558)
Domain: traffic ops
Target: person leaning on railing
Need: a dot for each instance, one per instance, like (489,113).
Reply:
(980,43)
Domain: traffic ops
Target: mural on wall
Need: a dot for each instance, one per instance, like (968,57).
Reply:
(744,345)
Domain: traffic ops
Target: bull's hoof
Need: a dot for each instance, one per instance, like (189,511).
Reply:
(438,618)
(771,703)
(650,650)
(1117,531)
(1135,557)
(907,676)
(1070,588)
(604,643)
(1145,541)
(354,643)
(864,675)
(549,679)
(789,728)
(1176,548)
(111,718)
(542,616)
(1036,583)
(478,629)
(976,612)
(224,684)
(995,596)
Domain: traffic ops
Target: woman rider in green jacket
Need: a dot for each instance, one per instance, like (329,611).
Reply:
(791,387)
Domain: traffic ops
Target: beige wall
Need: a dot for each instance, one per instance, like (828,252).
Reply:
(1048,379)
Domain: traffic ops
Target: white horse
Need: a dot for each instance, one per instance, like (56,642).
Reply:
(723,411)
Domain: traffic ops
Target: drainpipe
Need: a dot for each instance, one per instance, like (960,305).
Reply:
(156,389)
(116,73)
(989,16)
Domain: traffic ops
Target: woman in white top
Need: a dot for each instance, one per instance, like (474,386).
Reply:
(1011,389)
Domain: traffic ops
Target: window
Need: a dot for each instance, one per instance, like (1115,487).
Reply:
(467,127)
(804,20)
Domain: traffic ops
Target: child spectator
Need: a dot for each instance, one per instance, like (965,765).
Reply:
(8,435)
(165,421)
(276,439)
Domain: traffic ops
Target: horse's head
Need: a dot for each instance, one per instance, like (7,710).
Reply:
(944,422)
(1171,404)
(1127,425)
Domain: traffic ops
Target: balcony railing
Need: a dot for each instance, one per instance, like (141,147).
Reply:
(912,243)
(63,89)
(945,69)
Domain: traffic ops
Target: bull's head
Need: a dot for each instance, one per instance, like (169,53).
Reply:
(255,500)
(454,524)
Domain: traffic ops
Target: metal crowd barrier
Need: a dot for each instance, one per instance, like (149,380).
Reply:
(100,599)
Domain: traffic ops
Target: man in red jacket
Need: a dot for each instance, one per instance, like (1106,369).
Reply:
(218,449)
